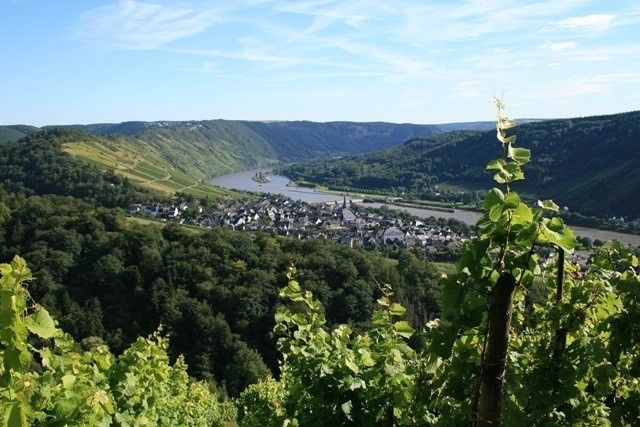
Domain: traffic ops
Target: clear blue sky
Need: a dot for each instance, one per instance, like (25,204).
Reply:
(84,61)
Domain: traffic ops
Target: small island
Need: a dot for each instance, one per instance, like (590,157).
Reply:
(261,177)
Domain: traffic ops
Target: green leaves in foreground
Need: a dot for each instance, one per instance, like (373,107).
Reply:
(507,216)
(568,358)
(506,171)
(548,205)
(41,323)
(336,376)
(75,387)
(509,168)
(554,231)
(572,356)
(519,155)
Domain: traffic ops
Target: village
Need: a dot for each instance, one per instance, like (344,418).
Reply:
(341,222)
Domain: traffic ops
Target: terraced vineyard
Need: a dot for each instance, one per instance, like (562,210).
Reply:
(147,168)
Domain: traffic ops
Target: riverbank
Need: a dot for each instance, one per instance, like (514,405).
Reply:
(384,198)
(421,206)
(280,185)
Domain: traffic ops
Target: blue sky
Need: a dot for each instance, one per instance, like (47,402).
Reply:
(90,61)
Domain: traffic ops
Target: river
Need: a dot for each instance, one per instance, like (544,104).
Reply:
(279,185)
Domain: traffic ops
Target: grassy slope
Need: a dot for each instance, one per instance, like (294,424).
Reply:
(209,147)
(143,165)
(197,149)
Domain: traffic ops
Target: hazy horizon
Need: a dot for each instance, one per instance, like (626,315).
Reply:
(490,119)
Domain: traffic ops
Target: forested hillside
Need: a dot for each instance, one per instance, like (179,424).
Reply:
(200,148)
(203,148)
(234,144)
(302,140)
(37,165)
(14,132)
(108,160)
(103,275)
(588,164)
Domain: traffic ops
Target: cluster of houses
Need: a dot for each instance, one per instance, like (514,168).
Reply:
(332,220)
(160,211)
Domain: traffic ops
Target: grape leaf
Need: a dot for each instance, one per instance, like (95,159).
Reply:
(41,323)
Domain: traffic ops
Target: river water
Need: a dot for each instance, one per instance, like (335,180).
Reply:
(279,185)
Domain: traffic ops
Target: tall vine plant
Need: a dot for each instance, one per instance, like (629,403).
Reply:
(525,336)
(478,302)
(512,231)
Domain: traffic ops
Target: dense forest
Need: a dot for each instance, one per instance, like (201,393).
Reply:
(37,164)
(104,276)
(303,140)
(588,164)
(214,291)
(12,133)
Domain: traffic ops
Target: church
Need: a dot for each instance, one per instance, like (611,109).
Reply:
(345,213)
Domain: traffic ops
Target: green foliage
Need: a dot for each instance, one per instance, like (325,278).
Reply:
(14,132)
(214,291)
(564,369)
(37,165)
(560,367)
(588,164)
(360,354)
(46,379)
(336,376)
(571,354)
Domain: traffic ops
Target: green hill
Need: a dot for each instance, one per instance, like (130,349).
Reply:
(303,140)
(589,164)
(144,164)
(196,149)
(180,156)
(218,146)
(14,132)
(37,165)
(40,164)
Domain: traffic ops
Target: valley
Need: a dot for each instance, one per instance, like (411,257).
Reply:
(175,157)
(319,213)
(576,162)
(124,233)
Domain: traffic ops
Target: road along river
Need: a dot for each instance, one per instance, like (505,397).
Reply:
(280,185)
